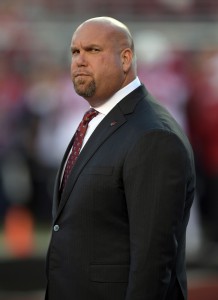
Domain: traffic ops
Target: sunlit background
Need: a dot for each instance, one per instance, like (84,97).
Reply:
(177,48)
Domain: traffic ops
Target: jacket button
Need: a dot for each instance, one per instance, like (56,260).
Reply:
(56,227)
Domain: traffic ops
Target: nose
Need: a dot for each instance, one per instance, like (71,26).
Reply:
(80,59)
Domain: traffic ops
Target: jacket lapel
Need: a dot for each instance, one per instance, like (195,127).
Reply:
(56,195)
(104,130)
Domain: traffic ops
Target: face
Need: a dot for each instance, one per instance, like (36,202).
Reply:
(97,67)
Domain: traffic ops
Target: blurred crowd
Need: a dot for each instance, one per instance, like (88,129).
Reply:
(39,110)
(131,8)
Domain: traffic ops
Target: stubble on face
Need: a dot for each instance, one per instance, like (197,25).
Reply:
(83,88)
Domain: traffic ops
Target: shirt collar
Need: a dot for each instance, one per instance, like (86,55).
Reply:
(118,96)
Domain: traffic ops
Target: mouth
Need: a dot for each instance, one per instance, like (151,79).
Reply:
(80,74)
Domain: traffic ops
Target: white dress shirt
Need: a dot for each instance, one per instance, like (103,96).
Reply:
(105,108)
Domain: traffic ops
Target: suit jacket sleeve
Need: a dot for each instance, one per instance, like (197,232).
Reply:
(156,173)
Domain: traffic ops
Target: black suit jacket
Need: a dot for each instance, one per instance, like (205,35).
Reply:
(123,214)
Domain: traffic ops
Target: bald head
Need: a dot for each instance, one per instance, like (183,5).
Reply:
(117,28)
(103,49)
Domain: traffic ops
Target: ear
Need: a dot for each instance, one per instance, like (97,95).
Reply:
(126,57)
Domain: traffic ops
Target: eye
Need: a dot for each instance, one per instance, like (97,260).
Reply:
(74,52)
(94,50)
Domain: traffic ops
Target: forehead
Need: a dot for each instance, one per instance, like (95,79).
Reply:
(92,33)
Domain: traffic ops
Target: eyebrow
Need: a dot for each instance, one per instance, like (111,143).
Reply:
(86,47)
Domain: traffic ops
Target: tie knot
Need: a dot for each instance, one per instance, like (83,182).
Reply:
(89,115)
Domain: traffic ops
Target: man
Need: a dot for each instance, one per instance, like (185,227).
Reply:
(120,214)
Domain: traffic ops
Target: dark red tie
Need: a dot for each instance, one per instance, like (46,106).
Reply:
(77,144)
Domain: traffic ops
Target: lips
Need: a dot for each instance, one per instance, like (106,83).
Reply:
(78,74)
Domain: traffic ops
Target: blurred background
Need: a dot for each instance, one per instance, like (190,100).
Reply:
(177,48)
